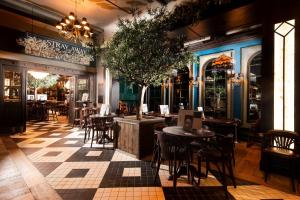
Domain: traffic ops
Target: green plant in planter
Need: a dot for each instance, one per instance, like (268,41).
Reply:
(143,52)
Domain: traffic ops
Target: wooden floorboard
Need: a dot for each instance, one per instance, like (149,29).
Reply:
(31,183)
(247,168)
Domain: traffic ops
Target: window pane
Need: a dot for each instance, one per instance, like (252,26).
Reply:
(12,86)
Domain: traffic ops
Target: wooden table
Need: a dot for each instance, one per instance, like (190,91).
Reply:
(178,131)
(104,135)
(101,116)
(186,138)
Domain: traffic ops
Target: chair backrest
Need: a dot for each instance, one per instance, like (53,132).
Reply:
(225,144)
(99,123)
(164,109)
(181,116)
(283,139)
(168,145)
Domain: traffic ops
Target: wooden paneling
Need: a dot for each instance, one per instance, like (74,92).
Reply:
(136,137)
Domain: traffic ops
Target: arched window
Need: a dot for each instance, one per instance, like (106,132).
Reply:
(181,89)
(254,88)
(215,92)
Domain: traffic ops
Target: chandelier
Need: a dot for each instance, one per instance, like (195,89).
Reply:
(70,28)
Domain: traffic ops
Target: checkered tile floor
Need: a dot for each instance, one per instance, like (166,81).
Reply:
(77,171)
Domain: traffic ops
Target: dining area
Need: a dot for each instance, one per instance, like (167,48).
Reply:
(181,143)
(97,123)
(187,147)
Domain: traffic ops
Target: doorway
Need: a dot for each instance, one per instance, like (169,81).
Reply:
(48,96)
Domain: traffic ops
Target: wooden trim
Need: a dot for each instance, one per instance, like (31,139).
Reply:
(47,64)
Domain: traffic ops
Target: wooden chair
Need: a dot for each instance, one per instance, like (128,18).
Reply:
(98,126)
(87,125)
(76,120)
(174,150)
(216,152)
(283,145)
(157,129)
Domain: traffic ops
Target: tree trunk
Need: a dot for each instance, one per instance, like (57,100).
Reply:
(35,94)
(139,112)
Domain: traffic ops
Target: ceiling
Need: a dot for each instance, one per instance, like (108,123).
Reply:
(101,13)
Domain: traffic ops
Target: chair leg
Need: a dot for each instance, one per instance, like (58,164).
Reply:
(157,170)
(231,173)
(170,167)
(92,138)
(267,166)
(174,172)
(154,154)
(85,133)
(207,168)
(89,133)
(233,157)
(199,169)
(292,163)
(224,179)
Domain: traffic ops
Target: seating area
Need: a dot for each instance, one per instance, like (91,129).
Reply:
(149,100)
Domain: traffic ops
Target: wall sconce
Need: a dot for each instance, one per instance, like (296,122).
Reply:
(166,83)
(196,82)
(237,79)
(230,73)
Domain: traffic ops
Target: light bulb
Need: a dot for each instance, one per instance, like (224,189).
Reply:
(86,27)
(77,25)
(84,21)
(71,16)
(58,26)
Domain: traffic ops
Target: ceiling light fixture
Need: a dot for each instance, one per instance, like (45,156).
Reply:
(70,28)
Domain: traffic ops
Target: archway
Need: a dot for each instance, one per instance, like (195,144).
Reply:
(214,95)
(254,88)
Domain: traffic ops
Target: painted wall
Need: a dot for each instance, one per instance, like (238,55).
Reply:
(236,49)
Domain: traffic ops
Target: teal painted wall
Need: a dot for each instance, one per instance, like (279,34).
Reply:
(236,47)
(128,92)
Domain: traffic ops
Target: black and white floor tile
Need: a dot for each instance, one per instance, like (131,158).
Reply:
(77,171)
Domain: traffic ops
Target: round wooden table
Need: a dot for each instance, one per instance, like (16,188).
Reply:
(104,135)
(186,138)
(195,134)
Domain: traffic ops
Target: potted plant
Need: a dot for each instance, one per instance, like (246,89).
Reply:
(143,52)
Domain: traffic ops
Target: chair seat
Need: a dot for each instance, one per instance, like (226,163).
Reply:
(281,152)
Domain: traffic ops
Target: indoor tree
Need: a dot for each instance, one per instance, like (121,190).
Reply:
(142,51)
(37,83)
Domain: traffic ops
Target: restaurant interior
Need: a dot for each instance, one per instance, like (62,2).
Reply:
(149,99)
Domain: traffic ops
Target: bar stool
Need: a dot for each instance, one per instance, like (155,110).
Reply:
(77,116)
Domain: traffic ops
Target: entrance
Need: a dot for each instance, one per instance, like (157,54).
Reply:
(48,96)
(37,92)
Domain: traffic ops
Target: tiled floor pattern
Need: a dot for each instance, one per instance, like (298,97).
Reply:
(77,171)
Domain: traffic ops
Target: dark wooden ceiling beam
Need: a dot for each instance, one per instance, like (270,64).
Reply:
(218,25)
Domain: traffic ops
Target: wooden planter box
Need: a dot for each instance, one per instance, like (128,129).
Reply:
(136,136)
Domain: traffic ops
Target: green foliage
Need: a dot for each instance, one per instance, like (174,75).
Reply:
(142,50)
(46,82)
